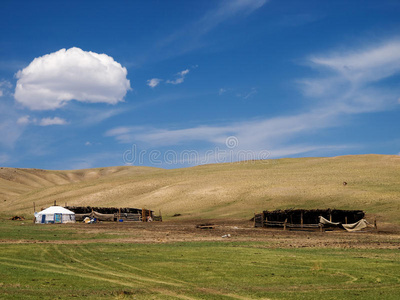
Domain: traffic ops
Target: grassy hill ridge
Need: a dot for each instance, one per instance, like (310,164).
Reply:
(217,190)
(18,181)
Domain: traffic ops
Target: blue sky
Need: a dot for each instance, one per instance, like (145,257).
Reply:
(179,83)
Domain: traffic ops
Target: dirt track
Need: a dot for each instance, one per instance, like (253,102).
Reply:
(239,231)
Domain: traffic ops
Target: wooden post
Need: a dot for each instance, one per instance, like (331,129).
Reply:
(345,219)
(330,217)
(376,226)
(301,221)
(284,224)
(55,202)
(160,215)
(143,215)
(266,221)
(119,214)
(321,227)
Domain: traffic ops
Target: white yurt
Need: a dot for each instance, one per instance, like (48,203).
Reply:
(55,214)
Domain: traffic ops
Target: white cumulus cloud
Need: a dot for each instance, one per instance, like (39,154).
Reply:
(50,81)
(52,121)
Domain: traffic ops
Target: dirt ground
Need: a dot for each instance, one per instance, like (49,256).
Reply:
(238,230)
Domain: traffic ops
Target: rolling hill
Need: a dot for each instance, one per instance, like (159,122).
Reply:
(233,190)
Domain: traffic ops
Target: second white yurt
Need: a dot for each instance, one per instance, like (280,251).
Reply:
(55,214)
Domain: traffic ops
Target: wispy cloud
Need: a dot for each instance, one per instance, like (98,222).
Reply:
(259,139)
(10,130)
(190,36)
(266,134)
(153,82)
(247,95)
(24,120)
(180,77)
(226,10)
(345,85)
(243,94)
(92,116)
(348,80)
(52,121)
(363,65)
(5,87)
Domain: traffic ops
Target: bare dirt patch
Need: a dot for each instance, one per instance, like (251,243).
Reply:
(225,231)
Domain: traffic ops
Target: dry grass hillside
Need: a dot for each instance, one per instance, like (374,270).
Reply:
(234,190)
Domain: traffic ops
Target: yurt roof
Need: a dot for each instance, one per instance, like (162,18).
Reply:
(56,210)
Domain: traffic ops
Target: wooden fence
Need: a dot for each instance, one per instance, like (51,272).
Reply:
(302,218)
(115,213)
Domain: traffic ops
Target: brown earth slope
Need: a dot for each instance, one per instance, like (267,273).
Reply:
(234,190)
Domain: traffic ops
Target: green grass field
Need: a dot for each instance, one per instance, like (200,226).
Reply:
(113,262)
(58,268)
(195,271)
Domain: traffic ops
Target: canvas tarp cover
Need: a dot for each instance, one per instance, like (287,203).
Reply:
(98,216)
(349,227)
(324,221)
(102,217)
(356,226)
